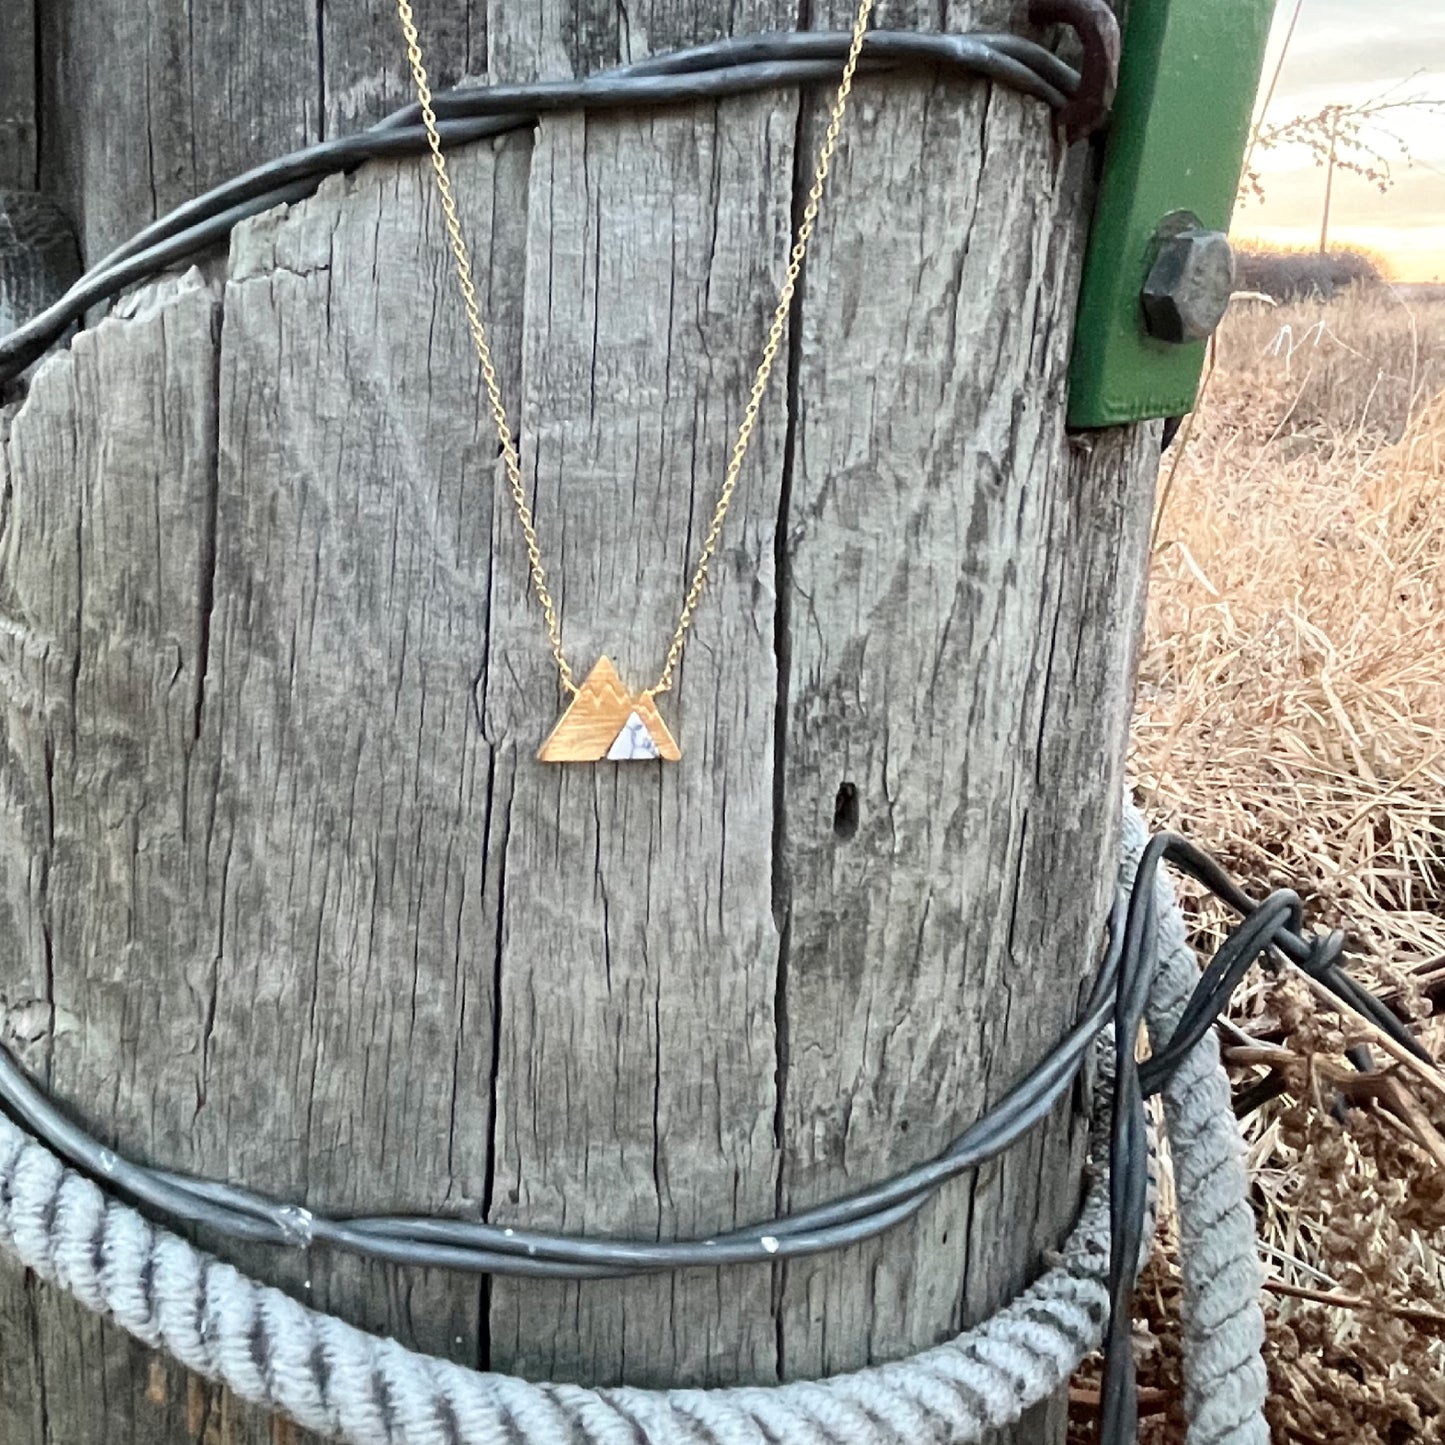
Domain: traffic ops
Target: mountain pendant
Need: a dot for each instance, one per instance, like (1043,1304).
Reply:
(605,722)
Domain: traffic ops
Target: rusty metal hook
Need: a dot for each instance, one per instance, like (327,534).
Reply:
(1098,30)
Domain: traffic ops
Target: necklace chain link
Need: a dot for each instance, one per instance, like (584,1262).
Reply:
(466,285)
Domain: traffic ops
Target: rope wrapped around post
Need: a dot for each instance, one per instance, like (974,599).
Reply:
(339,1381)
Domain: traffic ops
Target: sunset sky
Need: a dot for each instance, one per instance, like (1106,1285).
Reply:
(1348,51)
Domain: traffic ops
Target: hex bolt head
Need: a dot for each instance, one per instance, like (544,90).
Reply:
(1187,291)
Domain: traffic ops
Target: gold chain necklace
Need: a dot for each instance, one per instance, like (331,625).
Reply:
(603,718)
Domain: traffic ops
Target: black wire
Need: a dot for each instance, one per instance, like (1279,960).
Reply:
(1217,985)
(740,66)
(1273,923)
(1128,1153)
(486,1248)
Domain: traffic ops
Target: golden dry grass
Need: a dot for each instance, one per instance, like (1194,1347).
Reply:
(1291,718)
(1292,682)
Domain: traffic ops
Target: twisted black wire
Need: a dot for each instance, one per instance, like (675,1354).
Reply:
(1273,923)
(739,66)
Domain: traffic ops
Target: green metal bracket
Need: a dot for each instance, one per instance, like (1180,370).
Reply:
(1187,84)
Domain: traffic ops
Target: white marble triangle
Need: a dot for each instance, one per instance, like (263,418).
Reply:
(633,744)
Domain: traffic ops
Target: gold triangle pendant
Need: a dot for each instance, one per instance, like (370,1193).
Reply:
(605,722)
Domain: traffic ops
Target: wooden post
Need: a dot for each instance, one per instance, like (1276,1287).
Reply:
(18,153)
(285,896)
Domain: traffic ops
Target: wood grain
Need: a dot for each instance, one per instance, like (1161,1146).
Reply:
(145,103)
(18,131)
(286,895)
(648,290)
(932,618)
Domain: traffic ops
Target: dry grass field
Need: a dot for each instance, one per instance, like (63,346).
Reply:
(1292,685)
(1291,718)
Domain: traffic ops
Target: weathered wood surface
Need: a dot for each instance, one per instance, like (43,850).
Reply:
(39,261)
(148,102)
(285,895)
(19,152)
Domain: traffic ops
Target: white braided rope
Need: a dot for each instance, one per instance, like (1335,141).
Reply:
(1224,1381)
(342,1382)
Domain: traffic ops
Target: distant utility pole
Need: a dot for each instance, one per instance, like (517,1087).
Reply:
(1329,183)
(1341,138)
